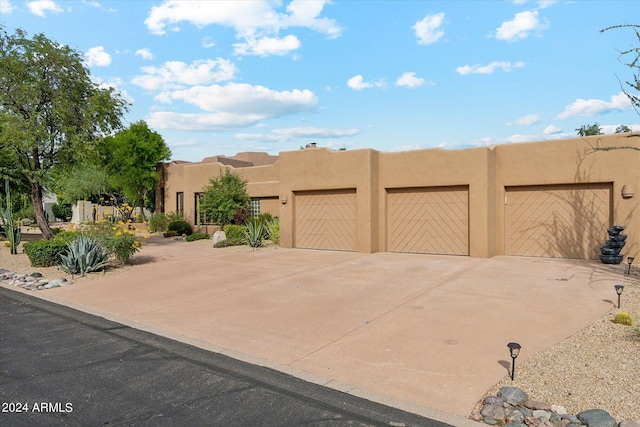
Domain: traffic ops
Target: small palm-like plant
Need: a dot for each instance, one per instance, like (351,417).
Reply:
(254,234)
(85,255)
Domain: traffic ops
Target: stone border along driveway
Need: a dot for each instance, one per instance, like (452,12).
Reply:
(419,332)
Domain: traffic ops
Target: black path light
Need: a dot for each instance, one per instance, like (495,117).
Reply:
(619,289)
(514,349)
(630,261)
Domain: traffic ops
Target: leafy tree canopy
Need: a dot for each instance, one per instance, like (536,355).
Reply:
(588,130)
(51,112)
(131,158)
(623,129)
(225,195)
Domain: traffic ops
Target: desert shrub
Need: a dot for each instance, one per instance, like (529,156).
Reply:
(197,236)
(45,253)
(84,255)
(174,216)
(225,200)
(180,227)
(170,233)
(273,229)
(265,217)
(623,318)
(254,234)
(158,222)
(123,244)
(222,244)
(234,232)
(62,211)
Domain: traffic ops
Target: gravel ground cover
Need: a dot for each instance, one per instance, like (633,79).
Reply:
(598,367)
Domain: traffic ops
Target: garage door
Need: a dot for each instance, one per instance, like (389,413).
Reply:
(431,220)
(326,220)
(565,221)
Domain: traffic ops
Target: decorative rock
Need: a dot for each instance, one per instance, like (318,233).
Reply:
(515,417)
(493,400)
(534,404)
(628,423)
(532,421)
(515,425)
(543,416)
(494,411)
(596,418)
(491,421)
(572,418)
(36,274)
(217,237)
(560,410)
(513,395)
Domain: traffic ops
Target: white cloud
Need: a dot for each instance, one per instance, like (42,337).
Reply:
(429,29)
(247,99)
(528,120)
(409,79)
(520,26)
(176,74)
(489,69)
(207,42)
(282,135)
(96,56)
(144,53)
(591,107)
(6,7)
(41,7)
(201,121)
(231,106)
(257,23)
(357,83)
(552,130)
(267,46)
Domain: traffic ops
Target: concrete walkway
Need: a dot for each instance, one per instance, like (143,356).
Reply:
(418,332)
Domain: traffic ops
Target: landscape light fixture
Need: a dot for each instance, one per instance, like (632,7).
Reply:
(619,289)
(630,261)
(514,349)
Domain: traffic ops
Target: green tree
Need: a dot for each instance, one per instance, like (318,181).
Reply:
(132,157)
(225,195)
(588,130)
(623,129)
(51,111)
(81,182)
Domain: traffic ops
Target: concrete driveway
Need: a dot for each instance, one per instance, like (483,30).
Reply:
(418,332)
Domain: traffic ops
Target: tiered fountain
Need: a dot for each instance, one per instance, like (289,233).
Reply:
(610,253)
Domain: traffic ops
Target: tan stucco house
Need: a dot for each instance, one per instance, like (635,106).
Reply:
(551,198)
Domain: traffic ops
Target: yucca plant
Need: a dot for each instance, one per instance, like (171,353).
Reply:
(85,255)
(254,234)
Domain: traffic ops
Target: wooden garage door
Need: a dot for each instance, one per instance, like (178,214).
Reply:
(432,220)
(564,221)
(326,220)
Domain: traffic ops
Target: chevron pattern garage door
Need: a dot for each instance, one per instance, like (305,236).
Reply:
(326,220)
(428,220)
(568,221)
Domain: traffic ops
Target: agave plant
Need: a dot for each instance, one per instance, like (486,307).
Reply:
(273,228)
(84,255)
(254,234)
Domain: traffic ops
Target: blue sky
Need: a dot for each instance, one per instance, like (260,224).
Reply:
(220,77)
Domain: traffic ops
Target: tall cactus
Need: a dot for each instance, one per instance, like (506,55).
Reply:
(11,229)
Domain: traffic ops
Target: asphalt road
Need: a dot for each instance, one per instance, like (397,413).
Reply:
(62,367)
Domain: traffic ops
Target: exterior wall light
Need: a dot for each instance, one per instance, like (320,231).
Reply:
(630,261)
(619,289)
(514,349)
(628,191)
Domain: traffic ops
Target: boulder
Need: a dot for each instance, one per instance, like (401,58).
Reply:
(513,395)
(596,418)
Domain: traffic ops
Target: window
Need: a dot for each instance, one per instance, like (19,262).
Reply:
(254,208)
(180,202)
(201,216)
